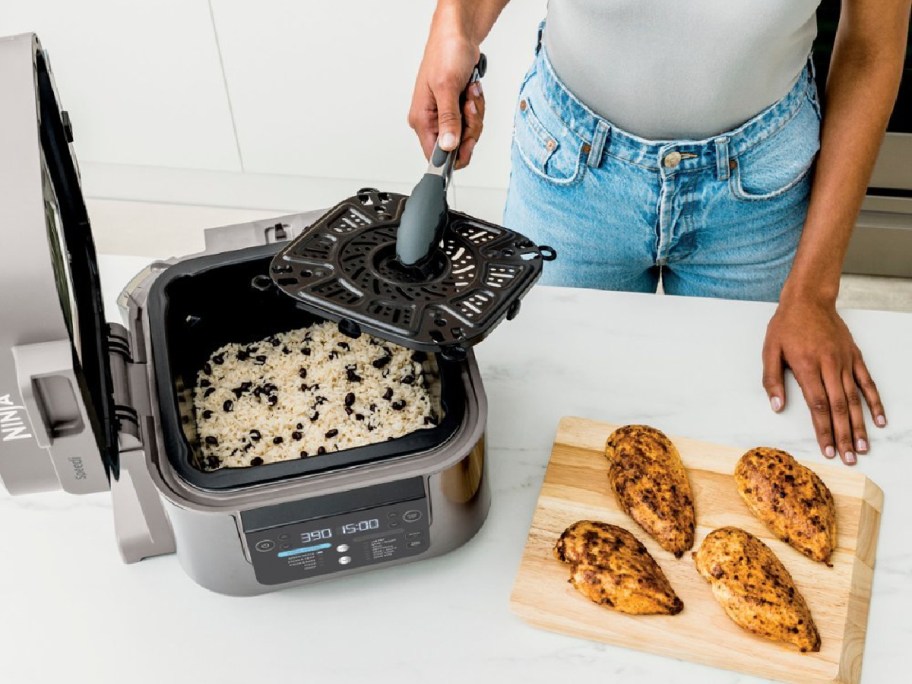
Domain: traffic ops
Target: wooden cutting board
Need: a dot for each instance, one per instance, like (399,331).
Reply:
(576,488)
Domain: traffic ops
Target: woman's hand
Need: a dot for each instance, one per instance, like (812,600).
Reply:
(809,337)
(449,57)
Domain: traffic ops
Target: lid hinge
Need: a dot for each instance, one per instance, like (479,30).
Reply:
(131,395)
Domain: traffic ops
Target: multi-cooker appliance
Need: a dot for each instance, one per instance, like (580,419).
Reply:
(87,406)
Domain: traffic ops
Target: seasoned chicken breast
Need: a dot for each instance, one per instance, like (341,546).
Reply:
(612,568)
(651,485)
(790,499)
(755,589)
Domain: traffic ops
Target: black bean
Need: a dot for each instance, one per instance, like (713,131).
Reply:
(212,441)
(321,450)
(209,391)
(345,345)
(274,341)
(218,359)
(304,454)
(273,400)
(348,410)
(207,414)
(321,399)
(213,462)
(398,405)
(382,362)
(304,387)
(419,357)
(333,355)
(370,428)
(315,417)
(256,460)
(296,436)
(260,360)
(286,350)
(205,383)
(248,447)
(207,368)
(242,355)
(277,440)
(350,399)
(255,435)
(302,373)
(373,408)
(388,394)
(352,375)
(306,351)
(228,406)
(331,433)
(408,380)
(359,416)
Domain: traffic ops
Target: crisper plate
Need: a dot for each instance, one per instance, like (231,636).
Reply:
(344,268)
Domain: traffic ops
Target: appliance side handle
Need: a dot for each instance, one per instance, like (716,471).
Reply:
(57,412)
(141,525)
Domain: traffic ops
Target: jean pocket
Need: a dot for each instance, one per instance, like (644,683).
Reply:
(781,162)
(550,149)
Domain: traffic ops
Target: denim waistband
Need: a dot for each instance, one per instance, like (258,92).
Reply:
(716,151)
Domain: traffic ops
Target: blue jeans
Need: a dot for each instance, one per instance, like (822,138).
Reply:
(719,217)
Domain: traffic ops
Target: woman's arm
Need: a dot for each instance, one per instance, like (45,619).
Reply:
(807,334)
(452,49)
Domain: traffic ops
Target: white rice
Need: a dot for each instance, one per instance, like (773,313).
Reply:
(308,392)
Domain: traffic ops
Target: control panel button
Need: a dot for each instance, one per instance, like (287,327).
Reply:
(342,548)
(265,545)
(412,516)
(345,560)
(413,544)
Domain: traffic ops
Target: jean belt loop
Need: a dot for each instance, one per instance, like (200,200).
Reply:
(599,140)
(538,41)
(723,169)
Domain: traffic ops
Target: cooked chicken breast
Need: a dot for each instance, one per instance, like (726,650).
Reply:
(612,568)
(651,485)
(755,589)
(791,500)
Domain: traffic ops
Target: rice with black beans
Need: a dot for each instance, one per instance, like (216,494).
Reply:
(309,392)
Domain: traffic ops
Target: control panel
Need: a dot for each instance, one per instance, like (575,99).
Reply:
(338,532)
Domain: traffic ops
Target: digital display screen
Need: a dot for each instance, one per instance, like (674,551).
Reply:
(348,528)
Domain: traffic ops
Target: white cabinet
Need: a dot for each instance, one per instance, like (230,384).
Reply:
(322,89)
(141,80)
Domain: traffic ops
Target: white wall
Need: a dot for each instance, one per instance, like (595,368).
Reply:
(286,104)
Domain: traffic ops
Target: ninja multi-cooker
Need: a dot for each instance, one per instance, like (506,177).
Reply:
(87,406)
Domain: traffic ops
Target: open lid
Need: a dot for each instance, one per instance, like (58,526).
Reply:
(67,243)
(344,268)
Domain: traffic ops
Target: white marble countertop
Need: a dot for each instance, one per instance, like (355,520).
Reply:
(72,612)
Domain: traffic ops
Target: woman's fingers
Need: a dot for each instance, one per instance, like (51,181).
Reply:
(773,378)
(839,411)
(863,379)
(473,114)
(815,395)
(856,412)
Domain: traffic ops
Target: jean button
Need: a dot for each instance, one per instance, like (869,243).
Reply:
(672,159)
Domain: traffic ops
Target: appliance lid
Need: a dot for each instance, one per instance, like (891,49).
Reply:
(344,268)
(69,246)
